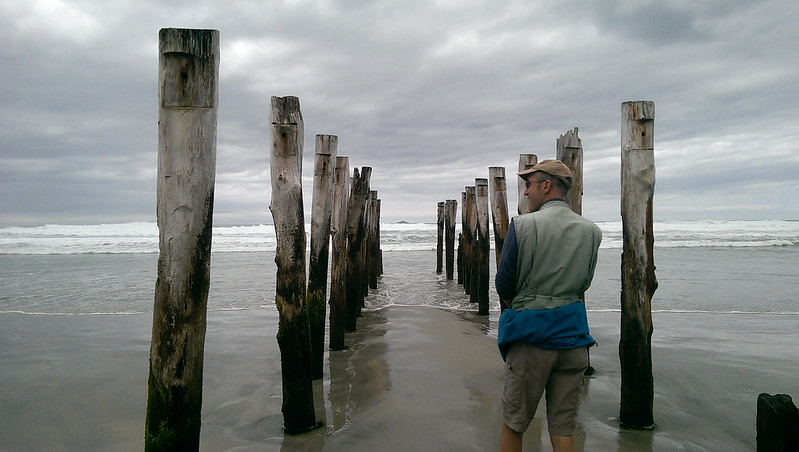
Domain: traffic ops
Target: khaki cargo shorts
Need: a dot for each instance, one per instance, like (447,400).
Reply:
(529,371)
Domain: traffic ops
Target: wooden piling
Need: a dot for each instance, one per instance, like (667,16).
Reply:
(471,274)
(451,210)
(364,256)
(638,282)
(338,262)
(378,249)
(483,245)
(188,79)
(499,207)
(373,231)
(367,244)
(440,237)
(324,160)
(462,243)
(570,152)
(293,336)
(525,161)
(355,238)
(777,423)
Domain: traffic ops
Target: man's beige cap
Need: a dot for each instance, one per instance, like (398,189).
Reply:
(552,167)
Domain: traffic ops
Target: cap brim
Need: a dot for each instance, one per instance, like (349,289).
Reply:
(526,173)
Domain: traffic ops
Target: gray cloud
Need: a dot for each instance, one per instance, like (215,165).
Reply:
(430,94)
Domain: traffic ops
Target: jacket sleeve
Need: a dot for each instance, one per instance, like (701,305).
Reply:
(505,279)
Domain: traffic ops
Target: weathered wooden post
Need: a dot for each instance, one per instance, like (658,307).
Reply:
(373,260)
(462,244)
(499,207)
(188,78)
(378,248)
(525,161)
(355,238)
(451,210)
(440,237)
(338,265)
(570,152)
(777,423)
(293,336)
(367,245)
(638,282)
(471,273)
(324,160)
(364,256)
(483,245)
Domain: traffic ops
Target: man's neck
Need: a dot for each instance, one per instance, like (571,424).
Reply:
(554,198)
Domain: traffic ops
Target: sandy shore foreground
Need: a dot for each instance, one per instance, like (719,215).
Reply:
(413,378)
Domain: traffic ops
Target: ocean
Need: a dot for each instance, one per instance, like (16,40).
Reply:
(76,318)
(729,267)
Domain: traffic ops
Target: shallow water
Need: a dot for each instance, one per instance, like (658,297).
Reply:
(707,279)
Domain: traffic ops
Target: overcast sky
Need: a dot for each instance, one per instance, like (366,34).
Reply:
(427,93)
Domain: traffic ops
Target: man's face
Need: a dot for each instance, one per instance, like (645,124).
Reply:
(535,191)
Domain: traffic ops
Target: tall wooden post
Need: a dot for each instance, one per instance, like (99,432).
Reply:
(287,211)
(355,238)
(377,247)
(440,237)
(483,245)
(188,79)
(570,152)
(499,207)
(338,265)
(373,226)
(451,210)
(324,160)
(525,161)
(638,282)
(462,244)
(364,256)
(471,274)
(367,244)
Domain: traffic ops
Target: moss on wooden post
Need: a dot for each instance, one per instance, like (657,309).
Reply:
(188,81)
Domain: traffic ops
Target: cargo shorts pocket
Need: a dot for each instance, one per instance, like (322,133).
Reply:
(514,388)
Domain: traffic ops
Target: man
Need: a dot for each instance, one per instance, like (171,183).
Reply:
(547,264)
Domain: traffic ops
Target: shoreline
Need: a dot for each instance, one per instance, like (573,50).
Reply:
(413,378)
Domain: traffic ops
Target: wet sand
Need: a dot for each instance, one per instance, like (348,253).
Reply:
(413,378)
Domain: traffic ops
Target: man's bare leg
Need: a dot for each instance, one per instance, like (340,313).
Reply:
(511,440)
(561,443)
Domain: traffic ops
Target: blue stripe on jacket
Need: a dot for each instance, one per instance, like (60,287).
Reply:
(559,328)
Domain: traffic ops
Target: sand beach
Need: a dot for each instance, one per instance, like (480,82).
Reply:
(413,378)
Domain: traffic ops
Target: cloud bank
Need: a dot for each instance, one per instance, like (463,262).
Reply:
(427,93)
